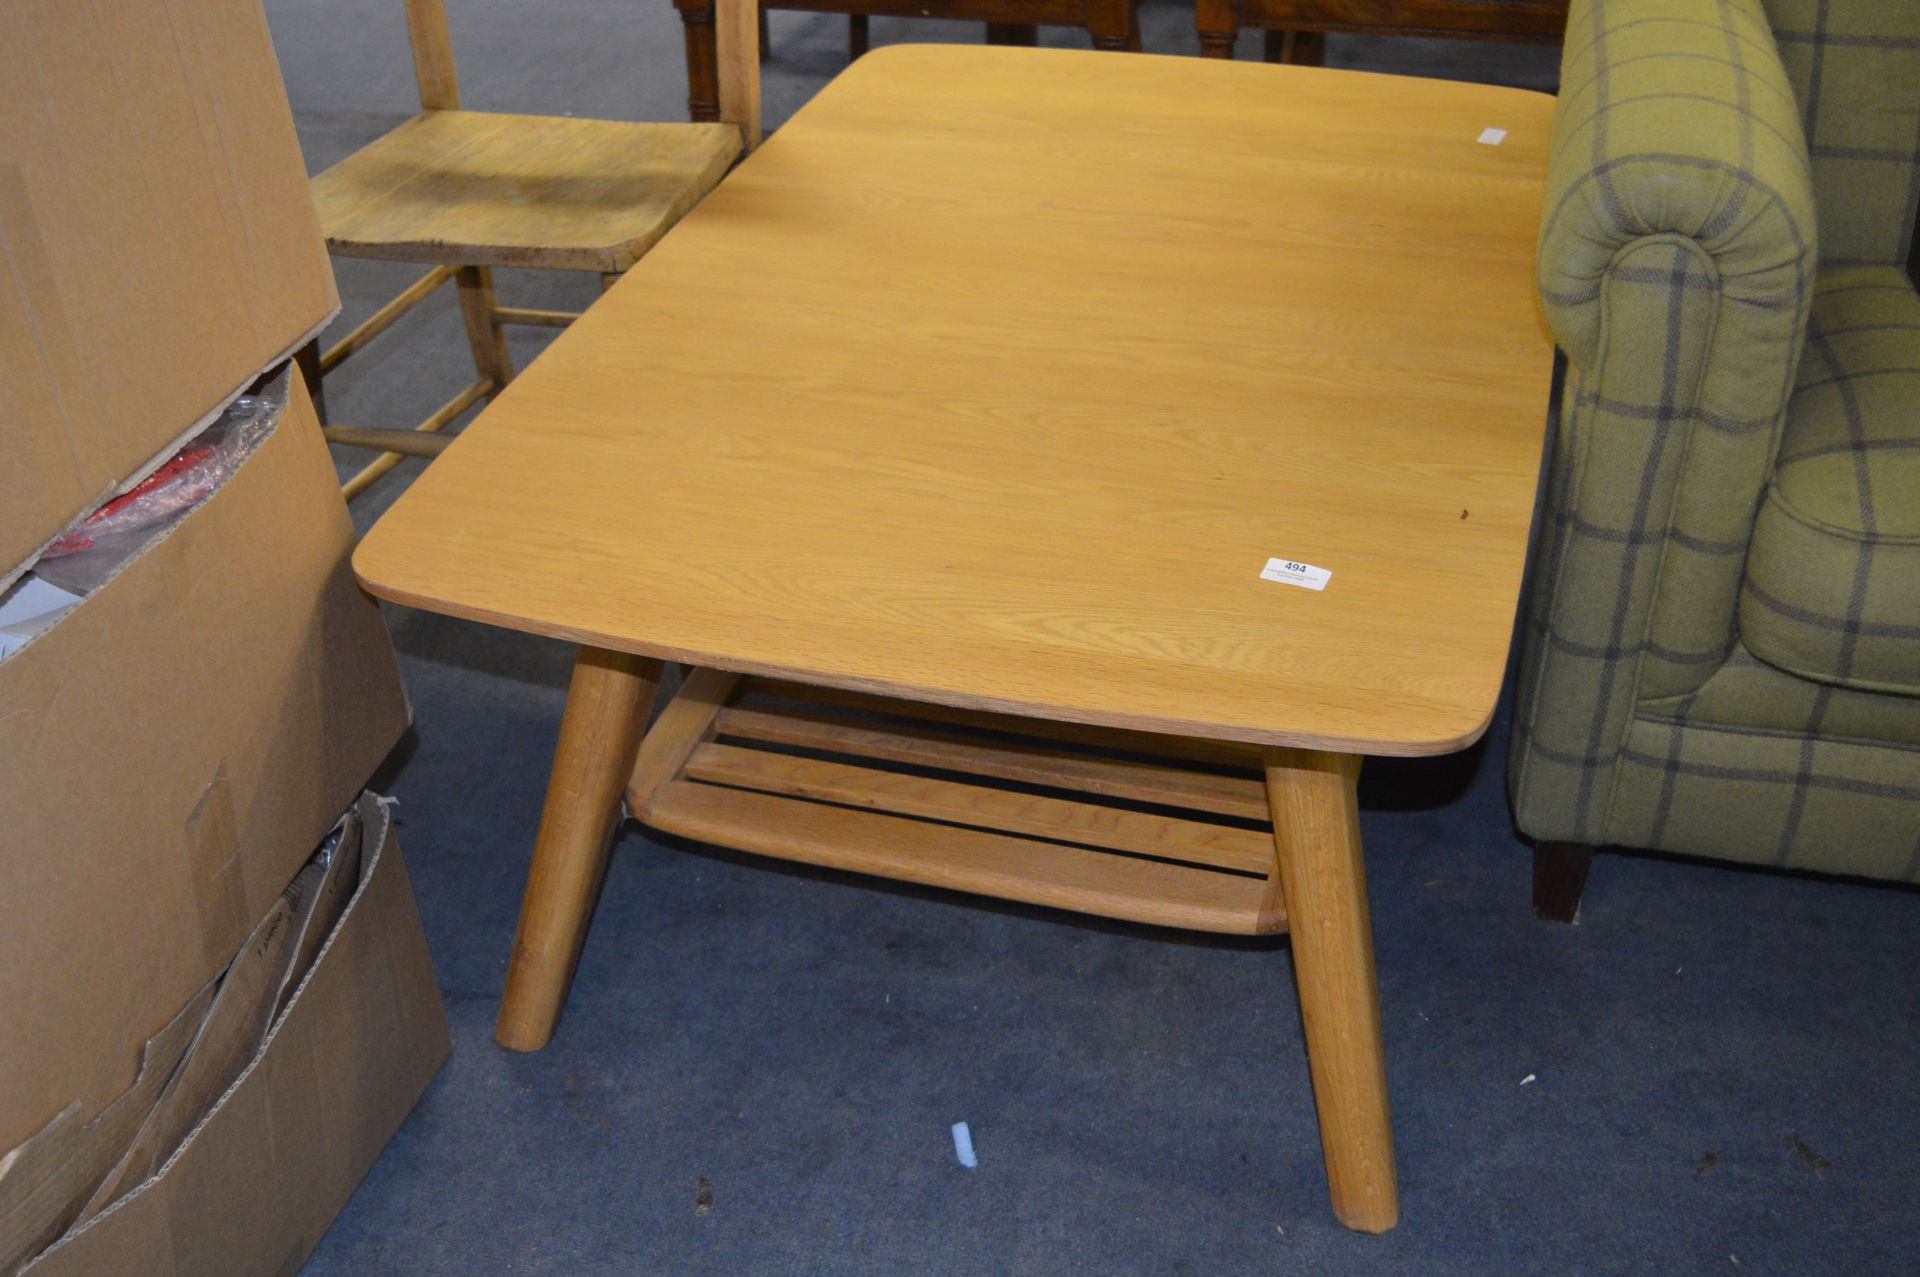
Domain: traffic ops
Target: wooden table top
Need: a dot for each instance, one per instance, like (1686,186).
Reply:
(999,374)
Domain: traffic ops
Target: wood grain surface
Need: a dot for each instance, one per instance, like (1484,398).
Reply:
(957,858)
(1030,762)
(1316,832)
(488,189)
(998,374)
(607,705)
(871,784)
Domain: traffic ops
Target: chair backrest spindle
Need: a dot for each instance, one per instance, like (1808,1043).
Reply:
(736,38)
(433,55)
(737,42)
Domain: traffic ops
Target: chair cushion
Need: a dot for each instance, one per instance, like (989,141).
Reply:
(472,188)
(1833,571)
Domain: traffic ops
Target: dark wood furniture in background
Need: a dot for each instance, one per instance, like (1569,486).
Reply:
(1113,24)
(1297,29)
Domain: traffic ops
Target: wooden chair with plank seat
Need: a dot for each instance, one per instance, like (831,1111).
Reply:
(465,191)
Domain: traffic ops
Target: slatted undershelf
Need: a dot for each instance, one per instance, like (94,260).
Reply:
(1155,829)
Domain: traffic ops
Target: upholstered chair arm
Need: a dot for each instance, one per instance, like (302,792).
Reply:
(1676,268)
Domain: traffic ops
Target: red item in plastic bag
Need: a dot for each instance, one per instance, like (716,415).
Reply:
(177,468)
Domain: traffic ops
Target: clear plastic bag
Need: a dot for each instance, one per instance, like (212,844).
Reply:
(92,551)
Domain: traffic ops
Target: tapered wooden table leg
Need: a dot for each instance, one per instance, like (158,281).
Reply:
(1316,825)
(607,707)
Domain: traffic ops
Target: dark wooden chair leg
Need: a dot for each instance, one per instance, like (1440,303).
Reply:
(1218,23)
(307,360)
(859,36)
(703,76)
(1559,876)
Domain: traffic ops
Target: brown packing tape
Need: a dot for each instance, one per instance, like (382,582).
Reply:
(212,843)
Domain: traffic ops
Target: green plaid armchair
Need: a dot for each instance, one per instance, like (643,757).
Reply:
(1722,649)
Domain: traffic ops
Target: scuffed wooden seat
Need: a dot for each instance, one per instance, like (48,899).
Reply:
(483,189)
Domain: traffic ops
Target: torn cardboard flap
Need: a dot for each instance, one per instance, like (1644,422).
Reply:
(265,1170)
(44,1182)
(257,984)
(159,235)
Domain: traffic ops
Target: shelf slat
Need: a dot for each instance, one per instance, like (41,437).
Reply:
(1033,764)
(1036,815)
(687,720)
(993,864)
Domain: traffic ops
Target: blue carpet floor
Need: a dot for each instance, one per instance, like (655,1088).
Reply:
(1716,1071)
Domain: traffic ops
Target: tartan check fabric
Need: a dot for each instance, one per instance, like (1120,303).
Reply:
(1855,66)
(1833,573)
(1833,806)
(1748,695)
(1678,268)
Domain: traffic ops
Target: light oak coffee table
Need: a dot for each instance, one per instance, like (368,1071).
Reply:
(960,443)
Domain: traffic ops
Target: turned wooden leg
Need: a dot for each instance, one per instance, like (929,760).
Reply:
(703,61)
(1108,22)
(859,36)
(1559,877)
(1316,826)
(1020,34)
(485,333)
(1218,23)
(607,708)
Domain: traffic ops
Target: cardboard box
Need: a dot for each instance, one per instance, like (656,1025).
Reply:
(170,753)
(159,238)
(258,1182)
